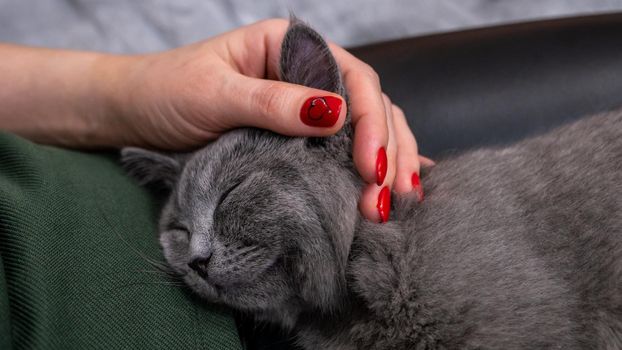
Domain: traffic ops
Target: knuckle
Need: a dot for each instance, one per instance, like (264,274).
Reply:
(269,100)
(407,143)
(387,100)
(397,110)
(371,74)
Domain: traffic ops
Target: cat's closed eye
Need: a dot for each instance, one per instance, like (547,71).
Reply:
(176,225)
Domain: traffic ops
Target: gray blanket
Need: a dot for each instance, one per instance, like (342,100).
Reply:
(130,26)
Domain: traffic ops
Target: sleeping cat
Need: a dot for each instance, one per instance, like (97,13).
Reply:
(513,248)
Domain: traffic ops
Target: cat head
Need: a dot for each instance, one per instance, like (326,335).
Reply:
(257,221)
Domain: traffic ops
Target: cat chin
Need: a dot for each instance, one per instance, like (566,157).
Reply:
(203,289)
(210,293)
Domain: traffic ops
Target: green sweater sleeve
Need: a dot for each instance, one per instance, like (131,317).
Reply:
(75,237)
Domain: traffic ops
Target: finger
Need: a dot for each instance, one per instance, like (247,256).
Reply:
(375,203)
(392,147)
(408,166)
(426,162)
(371,133)
(370,201)
(284,108)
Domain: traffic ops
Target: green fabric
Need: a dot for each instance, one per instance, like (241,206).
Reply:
(73,233)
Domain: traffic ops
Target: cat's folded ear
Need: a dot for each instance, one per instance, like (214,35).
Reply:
(151,168)
(306,59)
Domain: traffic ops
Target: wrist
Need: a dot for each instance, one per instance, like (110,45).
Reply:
(109,105)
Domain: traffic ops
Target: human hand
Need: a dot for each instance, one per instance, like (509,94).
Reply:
(180,99)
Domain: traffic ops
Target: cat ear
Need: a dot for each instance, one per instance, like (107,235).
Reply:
(306,59)
(151,168)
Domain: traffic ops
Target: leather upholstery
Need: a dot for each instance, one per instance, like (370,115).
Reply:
(496,85)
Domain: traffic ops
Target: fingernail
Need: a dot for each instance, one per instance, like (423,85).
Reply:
(321,111)
(417,186)
(381,166)
(384,204)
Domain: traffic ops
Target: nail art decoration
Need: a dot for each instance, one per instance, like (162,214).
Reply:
(321,111)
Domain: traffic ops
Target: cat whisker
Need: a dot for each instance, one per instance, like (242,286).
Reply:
(167,274)
(160,265)
(146,283)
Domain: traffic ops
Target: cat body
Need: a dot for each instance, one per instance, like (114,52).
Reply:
(513,248)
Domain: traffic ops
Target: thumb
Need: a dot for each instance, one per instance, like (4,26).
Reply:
(284,108)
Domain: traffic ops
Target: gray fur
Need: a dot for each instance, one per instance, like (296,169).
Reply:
(513,248)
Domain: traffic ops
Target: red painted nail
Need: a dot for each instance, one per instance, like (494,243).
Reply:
(381,166)
(417,186)
(384,204)
(321,111)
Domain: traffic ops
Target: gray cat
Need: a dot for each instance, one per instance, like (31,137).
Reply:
(513,248)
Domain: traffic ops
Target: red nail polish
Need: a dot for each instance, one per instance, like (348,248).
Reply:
(321,111)
(381,166)
(417,186)
(384,204)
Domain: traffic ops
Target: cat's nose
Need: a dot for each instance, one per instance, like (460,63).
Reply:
(200,264)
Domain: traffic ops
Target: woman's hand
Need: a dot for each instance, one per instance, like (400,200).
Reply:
(380,127)
(182,98)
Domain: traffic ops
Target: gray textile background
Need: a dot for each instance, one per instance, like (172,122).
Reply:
(147,25)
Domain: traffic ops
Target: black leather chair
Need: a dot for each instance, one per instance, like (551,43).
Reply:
(492,86)
(497,85)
